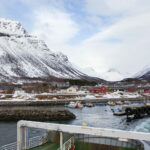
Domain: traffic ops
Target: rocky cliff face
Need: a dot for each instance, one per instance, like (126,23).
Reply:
(25,56)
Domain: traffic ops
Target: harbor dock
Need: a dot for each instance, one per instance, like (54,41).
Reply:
(137,111)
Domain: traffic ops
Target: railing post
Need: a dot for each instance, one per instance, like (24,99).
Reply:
(26,137)
(19,137)
(61,141)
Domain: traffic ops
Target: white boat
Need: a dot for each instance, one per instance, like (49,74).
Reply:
(89,104)
(75,105)
(111,103)
(79,105)
(72,105)
(127,102)
(119,103)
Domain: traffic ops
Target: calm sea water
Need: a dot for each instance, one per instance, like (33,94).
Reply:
(98,116)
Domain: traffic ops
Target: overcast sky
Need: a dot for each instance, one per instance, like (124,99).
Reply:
(101,34)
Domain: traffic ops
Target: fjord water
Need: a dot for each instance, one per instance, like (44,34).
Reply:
(98,116)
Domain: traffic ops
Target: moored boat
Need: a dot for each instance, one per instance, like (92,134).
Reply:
(79,105)
(127,102)
(110,103)
(72,105)
(119,102)
(75,105)
(89,104)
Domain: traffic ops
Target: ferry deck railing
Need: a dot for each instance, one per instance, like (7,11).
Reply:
(23,142)
(68,144)
(120,135)
(32,142)
(11,146)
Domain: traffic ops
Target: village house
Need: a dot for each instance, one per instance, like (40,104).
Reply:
(101,89)
(69,90)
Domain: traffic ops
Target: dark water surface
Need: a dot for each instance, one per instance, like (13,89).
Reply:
(98,116)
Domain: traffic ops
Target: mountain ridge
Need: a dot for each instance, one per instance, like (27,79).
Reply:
(23,56)
(144,74)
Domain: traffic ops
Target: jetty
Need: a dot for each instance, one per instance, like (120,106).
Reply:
(137,111)
(15,114)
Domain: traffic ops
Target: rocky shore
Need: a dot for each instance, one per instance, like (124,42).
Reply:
(15,114)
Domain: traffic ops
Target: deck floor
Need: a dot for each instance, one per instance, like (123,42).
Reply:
(80,146)
(47,146)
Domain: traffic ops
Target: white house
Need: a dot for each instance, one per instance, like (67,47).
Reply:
(72,90)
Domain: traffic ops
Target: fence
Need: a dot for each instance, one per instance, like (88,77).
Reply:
(11,146)
(32,142)
(68,144)
(36,141)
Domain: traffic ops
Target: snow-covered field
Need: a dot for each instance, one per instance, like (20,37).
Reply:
(22,96)
(121,95)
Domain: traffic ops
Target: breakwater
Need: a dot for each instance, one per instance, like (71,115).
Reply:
(65,101)
(15,114)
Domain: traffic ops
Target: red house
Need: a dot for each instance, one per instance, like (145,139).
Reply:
(101,89)
(146,90)
(131,90)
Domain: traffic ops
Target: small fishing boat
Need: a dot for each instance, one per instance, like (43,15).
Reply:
(147,104)
(79,105)
(127,102)
(119,102)
(75,105)
(72,105)
(118,112)
(111,103)
(89,104)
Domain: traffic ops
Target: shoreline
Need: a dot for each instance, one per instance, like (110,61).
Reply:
(65,101)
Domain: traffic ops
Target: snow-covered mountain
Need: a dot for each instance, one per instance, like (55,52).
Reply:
(25,56)
(144,73)
(109,75)
(114,75)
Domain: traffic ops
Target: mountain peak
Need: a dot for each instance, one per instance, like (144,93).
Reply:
(11,27)
(23,56)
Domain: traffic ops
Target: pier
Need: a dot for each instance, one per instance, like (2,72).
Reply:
(137,111)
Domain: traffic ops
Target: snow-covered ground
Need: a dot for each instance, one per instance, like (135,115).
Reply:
(121,95)
(22,96)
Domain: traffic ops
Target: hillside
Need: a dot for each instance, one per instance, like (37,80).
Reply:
(25,57)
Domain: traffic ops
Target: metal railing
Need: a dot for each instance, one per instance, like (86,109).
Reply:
(68,144)
(36,141)
(32,142)
(11,146)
